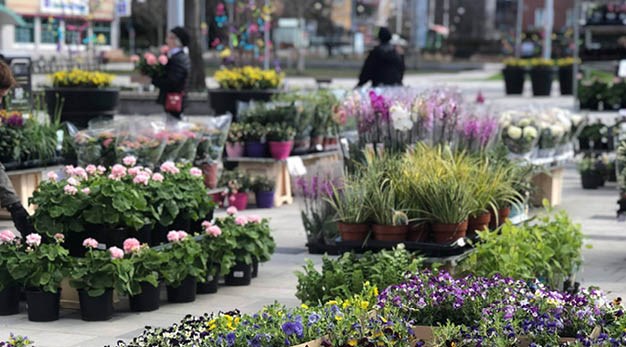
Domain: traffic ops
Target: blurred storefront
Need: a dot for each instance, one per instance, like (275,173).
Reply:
(60,26)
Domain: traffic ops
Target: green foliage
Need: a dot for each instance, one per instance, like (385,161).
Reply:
(280,132)
(42,267)
(345,276)
(236,181)
(254,132)
(183,259)
(252,239)
(56,211)
(145,264)
(262,184)
(236,133)
(9,252)
(220,252)
(349,201)
(550,249)
(97,272)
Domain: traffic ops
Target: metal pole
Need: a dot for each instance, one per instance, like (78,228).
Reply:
(519,28)
(576,54)
(547,29)
(446,13)
(399,12)
(266,37)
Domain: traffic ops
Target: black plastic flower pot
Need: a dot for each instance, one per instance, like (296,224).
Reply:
(114,236)
(541,78)
(9,300)
(79,105)
(209,286)
(146,301)
(255,269)
(566,80)
(96,308)
(43,306)
(159,235)
(514,80)
(185,292)
(181,222)
(239,275)
(589,180)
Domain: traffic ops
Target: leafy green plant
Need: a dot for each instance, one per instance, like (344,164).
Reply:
(10,248)
(146,263)
(98,271)
(252,235)
(183,258)
(219,246)
(254,132)
(348,202)
(236,133)
(262,184)
(280,132)
(345,276)
(587,165)
(41,266)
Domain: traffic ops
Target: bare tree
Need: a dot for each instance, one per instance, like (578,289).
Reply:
(192,20)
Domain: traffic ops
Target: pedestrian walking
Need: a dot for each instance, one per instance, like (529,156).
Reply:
(384,66)
(8,197)
(173,84)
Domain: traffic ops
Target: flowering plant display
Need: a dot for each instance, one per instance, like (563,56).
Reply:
(150,64)
(11,135)
(16,341)
(519,132)
(25,138)
(141,142)
(248,77)
(10,247)
(81,79)
(235,134)
(100,270)
(145,262)
(212,135)
(40,265)
(174,142)
(95,146)
(252,235)
(477,132)
(219,246)
(183,258)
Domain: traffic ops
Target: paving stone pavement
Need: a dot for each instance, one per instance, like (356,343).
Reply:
(604,263)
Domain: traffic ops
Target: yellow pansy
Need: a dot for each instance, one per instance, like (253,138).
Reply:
(352,342)
(364,304)
(304,306)
(332,302)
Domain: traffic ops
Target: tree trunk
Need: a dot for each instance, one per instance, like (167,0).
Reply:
(192,19)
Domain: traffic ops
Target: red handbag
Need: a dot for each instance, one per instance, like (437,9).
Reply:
(174,102)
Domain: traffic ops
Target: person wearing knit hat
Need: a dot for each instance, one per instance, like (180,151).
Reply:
(173,83)
(384,65)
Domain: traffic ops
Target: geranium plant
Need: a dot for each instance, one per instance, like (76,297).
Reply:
(183,258)
(219,246)
(10,247)
(100,270)
(146,263)
(252,237)
(41,266)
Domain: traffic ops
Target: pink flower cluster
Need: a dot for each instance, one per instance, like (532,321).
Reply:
(175,236)
(211,229)
(116,253)
(157,177)
(129,160)
(131,245)
(118,172)
(169,167)
(70,189)
(52,176)
(33,240)
(194,171)
(90,243)
(231,211)
(6,236)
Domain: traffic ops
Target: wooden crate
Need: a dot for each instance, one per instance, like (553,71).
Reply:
(548,186)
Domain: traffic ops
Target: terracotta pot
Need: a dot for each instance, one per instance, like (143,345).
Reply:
(418,232)
(353,232)
(301,146)
(330,143)
(502,215)
(234,149)
(390,232)
(280,150)
(209,171)
(478,223)
(448,233)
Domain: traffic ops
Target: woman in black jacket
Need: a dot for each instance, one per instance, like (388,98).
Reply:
(173,83)
(384,66)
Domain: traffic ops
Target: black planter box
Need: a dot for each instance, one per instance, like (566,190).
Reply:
(566,80)
(185,292)
(541,78)
(146,301)
(225,100)
(43,306)
(240,275)
(95,309)
(591,180)
(514,80)
(80,105)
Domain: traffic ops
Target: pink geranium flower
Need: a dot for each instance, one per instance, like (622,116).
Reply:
(129,160)
(163,59)
(116,253)
(169,167)
(254,218)
(241,220)
(194,171)
(86,191)
(231,210)
(52,176)
(142,178)
(214,231)
(70,190)
(90,243)
(157,177)
(72,181)
(59,237)
(131,245)
(117,172)
(6,236)
(33,240)
(91,169)
(80,172)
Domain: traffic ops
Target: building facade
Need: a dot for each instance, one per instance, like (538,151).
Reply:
(60,27)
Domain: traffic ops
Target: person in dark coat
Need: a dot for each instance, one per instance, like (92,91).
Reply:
(384,65)
(177,68)
(8,197)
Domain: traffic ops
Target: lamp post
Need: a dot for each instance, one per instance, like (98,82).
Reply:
(518,28)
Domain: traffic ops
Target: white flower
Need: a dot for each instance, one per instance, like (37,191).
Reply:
(524,122)
(514,132)
(530,133)
(556,131)
(400,117)
(576,119)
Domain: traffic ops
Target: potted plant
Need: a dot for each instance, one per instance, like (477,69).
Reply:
(185,265)
(280,138)
(541,76)
(507,190)
(589,174)
(238,185)
(234,143)
(142,286)
(566,75)
(254,136)
(242,85)
(40,269)
(263,188)
(349,203)
(520,137)
(264,247)
(514,73)
(95,276)
(484,183)
(390,224)
(218,247)
(447,203)
(10,246)
(81,96)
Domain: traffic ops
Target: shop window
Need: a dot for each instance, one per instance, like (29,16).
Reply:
(73,33)
(49,30)
(25,33)
(102,32)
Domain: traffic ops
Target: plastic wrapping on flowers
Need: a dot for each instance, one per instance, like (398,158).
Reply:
(140,139)
(212,132)
(519,132)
